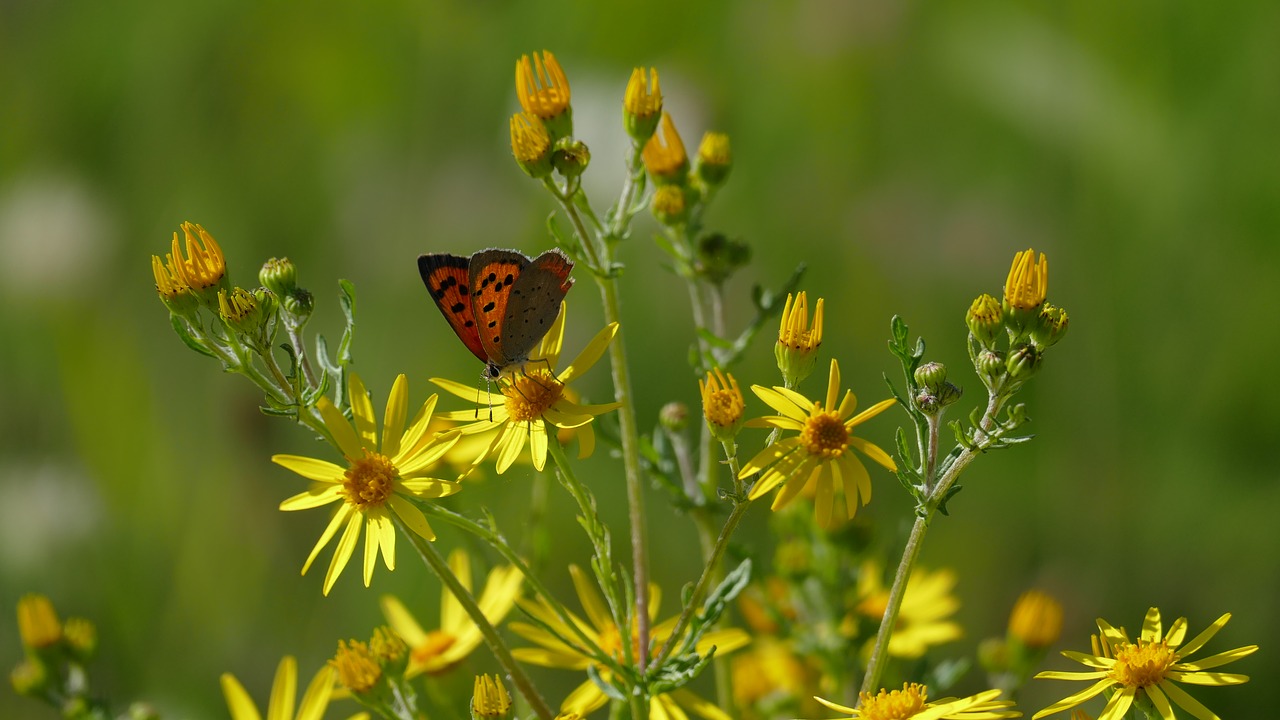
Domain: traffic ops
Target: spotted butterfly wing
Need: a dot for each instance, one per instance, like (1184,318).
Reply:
(515,300)
(447,279)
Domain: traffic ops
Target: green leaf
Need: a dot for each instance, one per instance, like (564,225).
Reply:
(181,327)
(605,686)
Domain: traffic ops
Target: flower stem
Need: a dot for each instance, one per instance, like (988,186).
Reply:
(875,666)
(490,634)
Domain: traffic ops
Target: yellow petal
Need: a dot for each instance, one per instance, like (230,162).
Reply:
(311,468)
(538,443)
(400,620)
(874,452)
(346,546)
(870,412)
(362,412)
(787,402)
(315,496)
(1204,637)
(340,429)
(466,392)
(833,386)
(1076,698)
(510,444)
(453,617)
(590,354)
(386,536)
(338,520)
(316,699)
(1186,702)
(429,488)
(412,517)
(238,701)
(1152,630)
(592,602)
(393,419)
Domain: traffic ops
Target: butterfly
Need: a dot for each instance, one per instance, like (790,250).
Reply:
(499,302)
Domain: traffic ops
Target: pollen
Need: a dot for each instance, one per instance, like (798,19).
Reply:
(1143,664)
(893,705)
(529,395)
(825,435)
(370,481)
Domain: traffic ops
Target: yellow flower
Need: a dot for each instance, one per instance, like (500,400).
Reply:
(1148,667)
(534,398)
(283,692)
(922,619)
(642,104)
(543,91)
(357,668)
(379,478)
(820,453)
(722,404)
(604,634)
(769,673)
(668,205)
(203,268)
(172,289)
(38,623)
(714,158)
(490,698)
(1036,620)
(1028,281)
(530,144)
(664,154)
(437,651)
(912,702)
(796,351)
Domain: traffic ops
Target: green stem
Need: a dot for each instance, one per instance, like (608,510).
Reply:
(622,211)
(490,634)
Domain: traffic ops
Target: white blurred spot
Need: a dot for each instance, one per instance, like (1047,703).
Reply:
(54,237)
(43,508)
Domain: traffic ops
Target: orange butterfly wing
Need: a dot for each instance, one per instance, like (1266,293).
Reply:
(447,279)
(492,274)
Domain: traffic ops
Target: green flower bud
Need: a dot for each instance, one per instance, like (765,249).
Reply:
(571,157)
(674,416)
(719,256)
(797,348)
(669,205)
(81,638)
(985,320)
(143,711)
(279,276)
(990,366)
(241,310)
(1023,362)
(931,376)
(390,650)
(29,678)
(642,105)
(299,304)
(1050,326)
(714,159)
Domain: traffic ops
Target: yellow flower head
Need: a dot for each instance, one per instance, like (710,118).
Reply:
(912,702)
(924,618)
(770,669)
(664,155)
(202,268)
(38,623)
(172,289)
(819,453)
(1149,666)
(378,480)
(797,348)
(530,144)
(1036,620)
(533,398)
(283,692)
(357,667)
(543,91)
(81,637)
(437,651)
(490,699)
(722,404)
(599,631)
(1028,281)
(668,205)
(642,104)
(985,320)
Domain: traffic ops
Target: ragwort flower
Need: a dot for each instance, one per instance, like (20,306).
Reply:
(535,397)
(436,651)
(378,481)
(923,619)
(1148,667)
(911,703)
(820,453)
(604,634)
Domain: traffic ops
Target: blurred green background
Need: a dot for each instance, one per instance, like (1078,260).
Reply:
(904,151)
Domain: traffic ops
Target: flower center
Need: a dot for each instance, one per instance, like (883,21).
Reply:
(825,435)
(436,643)
(1143,664)
(530,394)
(896,705)
(724,407)
(370,480)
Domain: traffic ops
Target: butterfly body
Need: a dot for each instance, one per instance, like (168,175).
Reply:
(500,303)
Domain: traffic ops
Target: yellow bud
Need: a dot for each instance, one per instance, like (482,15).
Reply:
(531,145)
(543,91)
(642,104)
(714,159)
(1036,620)
(490,699)
(358,670)
(38,623)
(664,155)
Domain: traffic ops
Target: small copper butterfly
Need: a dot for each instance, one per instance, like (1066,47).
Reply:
(499,302)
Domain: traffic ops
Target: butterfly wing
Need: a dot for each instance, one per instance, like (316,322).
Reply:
(534,303)
(493,275)
(447,279)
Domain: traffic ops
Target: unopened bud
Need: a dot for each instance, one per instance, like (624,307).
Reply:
(669,205)
(714,159)
(1050,326)
(81,638)
(570,157)
(931,376)
(674,416)
(990,366)
(985,320)
(29,678)
(279,276)
(1023,362)
(299,303)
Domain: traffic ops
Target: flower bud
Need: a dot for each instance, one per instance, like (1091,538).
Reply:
(299,304)
(203,268)
(674,416)
(718,256)
(1050,326)
(357,669)
(722,405)
(1024,292)
(990,366)
(172,289)
(30,678)
(531,145)
(490,700)
(571,157)
(993,656)
(241,310)
(664,155)
(279,276)
(81,637)
(390,650)
(931,376)
(714,159)
(1023,362)
(38,624)
(669,206)
(142,711)
(543,91)
(797,348)
(1036,620)
(985,320)
(642,105)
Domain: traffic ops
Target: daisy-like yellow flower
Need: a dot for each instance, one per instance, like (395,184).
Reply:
(379,478)
(926,606)
(437,651)
(603,633)
(770,674)
(911,703)
(1149,667)
(820,453)
(283,694)
(534,398)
